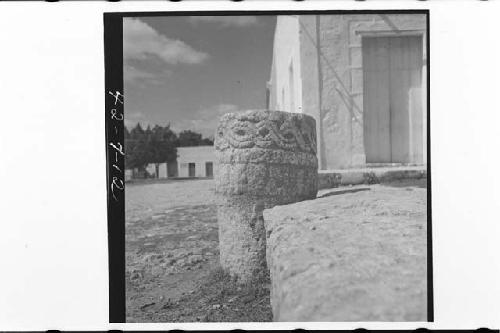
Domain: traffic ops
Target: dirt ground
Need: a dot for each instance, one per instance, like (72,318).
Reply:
(172,272)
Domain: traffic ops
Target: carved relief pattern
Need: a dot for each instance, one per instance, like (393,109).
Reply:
(266,130)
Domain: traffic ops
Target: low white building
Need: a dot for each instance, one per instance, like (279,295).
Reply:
(195,161)
(151,169)
(162,170)
(192,162)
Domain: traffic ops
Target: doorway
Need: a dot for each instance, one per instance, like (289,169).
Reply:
(172,169)
(209,169)
(392,99)
(192,169)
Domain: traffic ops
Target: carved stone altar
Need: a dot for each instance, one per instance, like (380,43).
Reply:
(264,158)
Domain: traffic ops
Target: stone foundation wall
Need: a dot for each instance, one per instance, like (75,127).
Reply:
(336,178)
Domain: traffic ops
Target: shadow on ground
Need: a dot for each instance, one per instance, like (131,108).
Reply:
(217,298)
(339,192)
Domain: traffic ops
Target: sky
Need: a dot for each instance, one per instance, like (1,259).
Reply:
(189,70)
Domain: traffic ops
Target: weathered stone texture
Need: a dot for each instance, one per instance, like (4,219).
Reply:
(332,91)
(264,158)
(358,256)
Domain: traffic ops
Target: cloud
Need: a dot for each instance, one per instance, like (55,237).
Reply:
(137,76)
(142,42)
(205,120)
(226,21)
(134,117)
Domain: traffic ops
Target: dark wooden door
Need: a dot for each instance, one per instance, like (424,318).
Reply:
(192,169)
(209,169)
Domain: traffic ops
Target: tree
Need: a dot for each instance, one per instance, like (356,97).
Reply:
(189,138)
(126,133)
(157,145)
(137,132)
(168,134)
(136,149)
(207,142)
(162,146)
(136,154)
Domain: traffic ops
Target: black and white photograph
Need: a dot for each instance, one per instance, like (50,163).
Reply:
(276,167)
(249,165)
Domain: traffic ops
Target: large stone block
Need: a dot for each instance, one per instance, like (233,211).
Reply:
(356,254)
(264,158)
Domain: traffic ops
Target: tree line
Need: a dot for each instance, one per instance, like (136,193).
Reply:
(157,145)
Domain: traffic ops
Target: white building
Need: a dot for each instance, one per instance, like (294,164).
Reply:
(195,161)
(151,169)
(191,162)
(362,77)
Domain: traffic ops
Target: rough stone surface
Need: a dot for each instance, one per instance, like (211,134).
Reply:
(355,254)
(264,158)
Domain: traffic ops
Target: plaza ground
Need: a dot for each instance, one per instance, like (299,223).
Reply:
(172,272)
